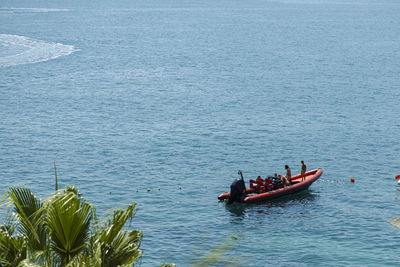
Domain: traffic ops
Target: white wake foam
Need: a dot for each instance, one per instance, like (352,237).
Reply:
(35,10)
(18,50)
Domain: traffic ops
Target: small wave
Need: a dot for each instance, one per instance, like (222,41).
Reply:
(33,10)
(19,50)
(332,181)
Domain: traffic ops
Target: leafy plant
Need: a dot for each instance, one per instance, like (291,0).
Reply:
(63,230)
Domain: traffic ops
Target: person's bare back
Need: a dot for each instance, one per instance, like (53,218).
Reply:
(288,174)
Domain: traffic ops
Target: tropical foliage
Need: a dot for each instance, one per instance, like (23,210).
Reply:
(63,230)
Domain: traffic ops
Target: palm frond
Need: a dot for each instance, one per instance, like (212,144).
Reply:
(28,263)
(57,232)
(12,248)
(26,205)
(119,247)
(126,247)
(69,221)
(114,225)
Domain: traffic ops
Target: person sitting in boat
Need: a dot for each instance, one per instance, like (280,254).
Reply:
(275,182)
(285,182)
(279,178)
(258,185)
(268,184)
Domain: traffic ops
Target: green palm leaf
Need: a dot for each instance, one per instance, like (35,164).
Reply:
(126,247)
(28,263)
(119,247)
(115,225)
(69,221)
(12,248)
(57,233)
(26,208)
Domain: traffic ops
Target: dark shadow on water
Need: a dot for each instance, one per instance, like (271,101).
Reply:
(236,209)
(241,210)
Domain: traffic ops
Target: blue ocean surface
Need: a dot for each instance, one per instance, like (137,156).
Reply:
(177,96)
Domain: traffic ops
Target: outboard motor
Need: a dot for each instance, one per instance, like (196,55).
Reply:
(238,190)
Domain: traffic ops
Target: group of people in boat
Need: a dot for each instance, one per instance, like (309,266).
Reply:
(277,181)
(238,188)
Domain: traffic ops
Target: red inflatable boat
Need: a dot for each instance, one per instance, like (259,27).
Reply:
(254,195)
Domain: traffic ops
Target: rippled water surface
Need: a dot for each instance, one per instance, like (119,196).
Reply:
(176,96)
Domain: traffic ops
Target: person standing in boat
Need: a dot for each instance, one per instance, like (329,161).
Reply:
(287,179)
(303,171)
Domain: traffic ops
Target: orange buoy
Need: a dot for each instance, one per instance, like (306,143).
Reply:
(352,180)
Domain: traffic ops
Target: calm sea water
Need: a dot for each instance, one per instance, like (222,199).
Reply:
(176,96)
